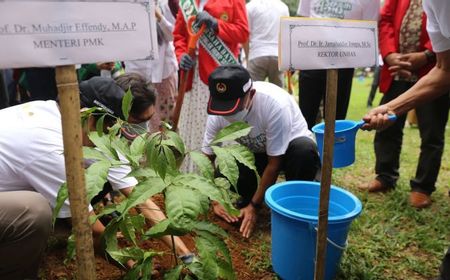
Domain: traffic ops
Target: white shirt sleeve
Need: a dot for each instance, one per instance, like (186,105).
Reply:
(118,175)
(438,21)
(304,8)
(278,132)
(46,175)
(212,127)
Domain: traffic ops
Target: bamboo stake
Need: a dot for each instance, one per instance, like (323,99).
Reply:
(327,168)
(69,101)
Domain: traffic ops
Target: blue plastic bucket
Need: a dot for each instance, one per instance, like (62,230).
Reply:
(295,207)
(344,141)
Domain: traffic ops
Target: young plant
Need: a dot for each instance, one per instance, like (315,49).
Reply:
(155,162)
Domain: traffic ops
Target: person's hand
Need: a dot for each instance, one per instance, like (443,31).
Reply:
(378,118)
(158,13)
(407,64)
(186,62)
(397,66)
(106,66)
(205,18)
(220,211)
(248,216)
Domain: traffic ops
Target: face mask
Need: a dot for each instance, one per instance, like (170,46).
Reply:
(239,116)
(131,131)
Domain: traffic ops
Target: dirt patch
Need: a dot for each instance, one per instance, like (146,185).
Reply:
(250,257)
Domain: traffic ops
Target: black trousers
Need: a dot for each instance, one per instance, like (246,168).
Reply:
(445,267)
(432,119)
(300,162)
(312,89)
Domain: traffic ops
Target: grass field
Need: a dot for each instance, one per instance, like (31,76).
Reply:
(391,240)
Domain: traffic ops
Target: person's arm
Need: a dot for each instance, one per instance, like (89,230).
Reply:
(164,24)
(237,29)
(180,36)
(246,48)
(430,86)
(249,213)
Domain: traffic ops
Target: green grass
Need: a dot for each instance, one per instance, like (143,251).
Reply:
(391,240)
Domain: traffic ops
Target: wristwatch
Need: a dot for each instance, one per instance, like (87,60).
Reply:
(255,205)
(431,56)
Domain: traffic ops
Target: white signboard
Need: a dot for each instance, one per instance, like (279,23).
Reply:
(307,43)
(49,33)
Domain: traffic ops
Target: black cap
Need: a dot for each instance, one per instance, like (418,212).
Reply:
(104,93)
(227,85)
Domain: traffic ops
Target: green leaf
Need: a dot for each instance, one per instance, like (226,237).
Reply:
(120,145)
(198,183)
(71,252)
(174,140)
(204,163)
(96,177)
(137,147)
(165,227)
(227,165)
(93,153)
(161,164)
(216,242)
(173,274)
(243,155)
(143,191)
(198,269)
(127,102)
(130,225)
(211,228)
(103,143)
(114,130)
(146,266)
(110,235)
(208,258)
(170,158)
(183,206)
(143,173)
(231,132)
(99,125)
(63,194)
(123,255)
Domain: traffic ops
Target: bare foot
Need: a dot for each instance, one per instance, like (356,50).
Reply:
(220,211)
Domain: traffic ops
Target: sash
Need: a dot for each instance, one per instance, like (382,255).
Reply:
(215,47)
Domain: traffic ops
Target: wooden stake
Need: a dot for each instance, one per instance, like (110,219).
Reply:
(69,101)
(327,169)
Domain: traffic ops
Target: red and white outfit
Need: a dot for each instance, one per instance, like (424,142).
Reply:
(231,16)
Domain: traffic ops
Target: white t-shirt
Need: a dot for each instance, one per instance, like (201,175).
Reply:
(264,24)
(32,152)
(275,119)
(341,9)
(438,23)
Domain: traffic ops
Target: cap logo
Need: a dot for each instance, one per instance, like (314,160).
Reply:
(221,87)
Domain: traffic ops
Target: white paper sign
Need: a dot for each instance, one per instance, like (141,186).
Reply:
(35,33)
(307,43)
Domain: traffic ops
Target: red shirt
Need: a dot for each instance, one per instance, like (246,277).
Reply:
(232,21)
(391,17)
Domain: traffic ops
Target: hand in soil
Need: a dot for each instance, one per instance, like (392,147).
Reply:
(248,215)
(220,211)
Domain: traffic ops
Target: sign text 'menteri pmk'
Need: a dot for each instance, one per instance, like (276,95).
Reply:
(49,33)
(307,43)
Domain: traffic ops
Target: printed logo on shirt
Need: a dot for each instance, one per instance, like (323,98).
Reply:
(332,8)
(221,87)
(224,17)
(255,144)
(188,7)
